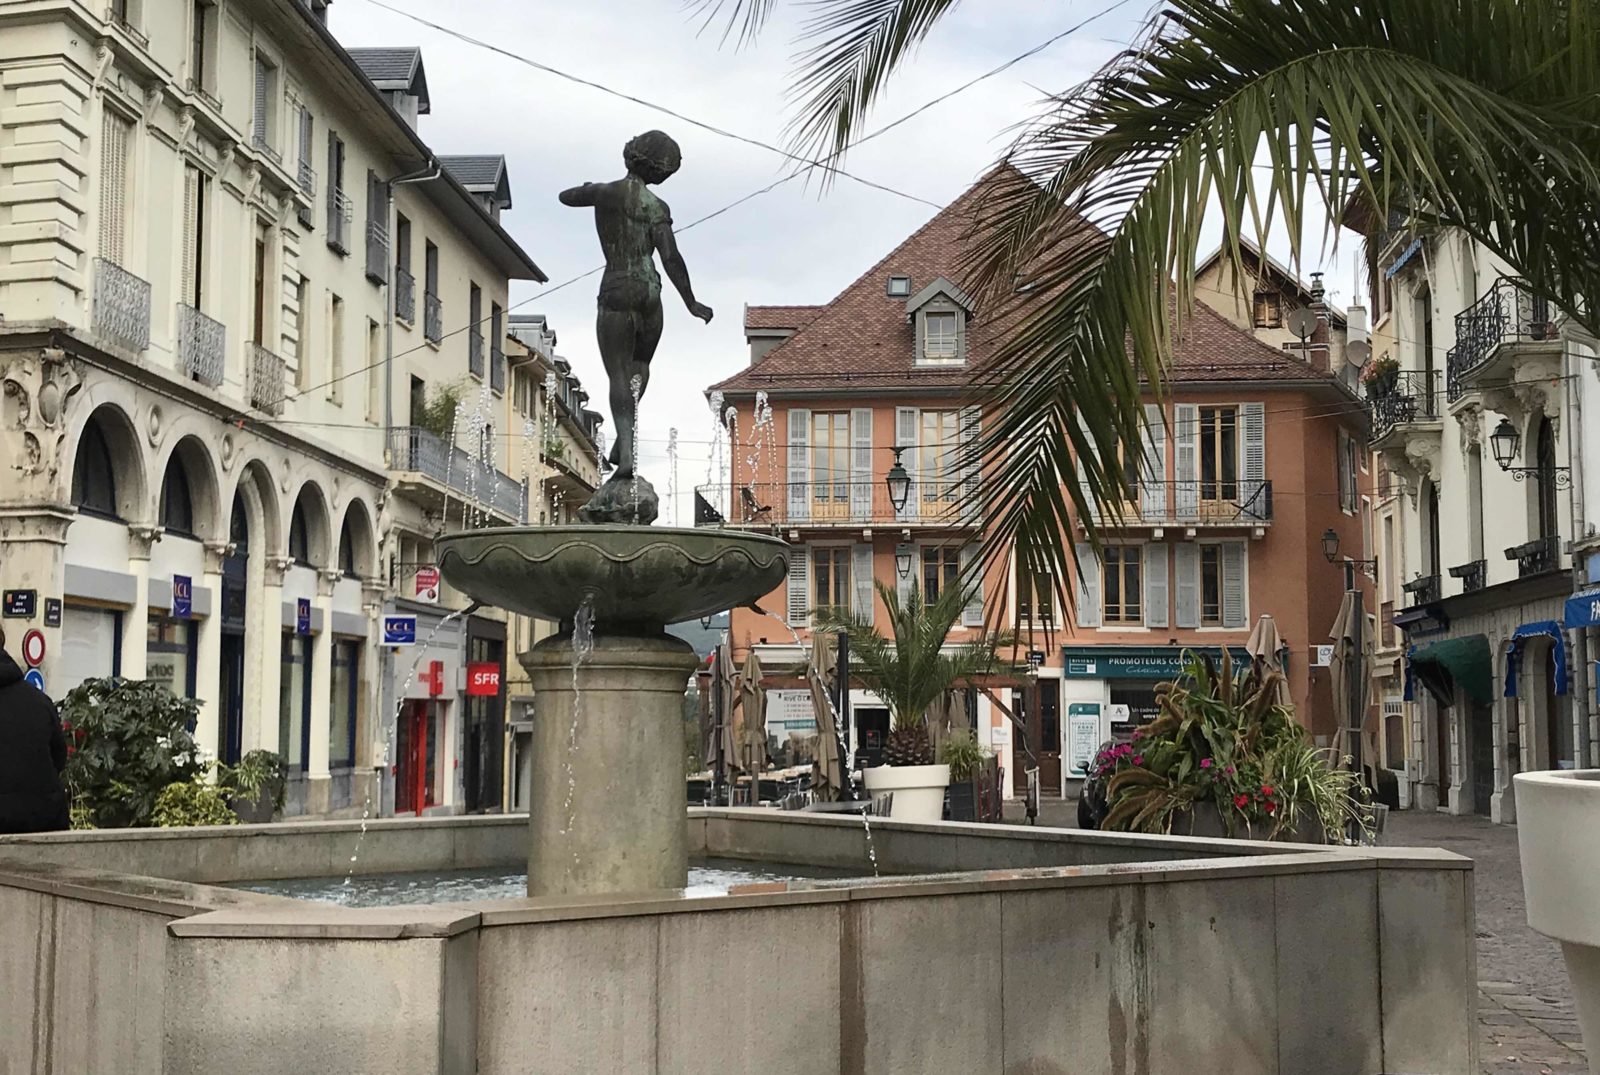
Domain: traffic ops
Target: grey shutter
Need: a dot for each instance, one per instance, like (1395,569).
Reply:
(1155,584)
(1187,557)
(1254,474)
(305,144)
(971,470)
(114,139)
(799,585)
(260,131)
(1088,586)
(861,483)
(799,492)
(861,580)
(907,422)
(1233,584)
(1153,497)
(972,614)
(1186,451)
(191,222)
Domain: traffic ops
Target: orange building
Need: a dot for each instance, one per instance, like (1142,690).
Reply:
(1253,456)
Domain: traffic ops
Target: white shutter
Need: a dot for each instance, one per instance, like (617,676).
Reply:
(1187,557)
(1091,506)
(1155,584)
(305,138)
(260,131)
(971,470)
(1233,613)
(799,585)
(1253,478)
(972,614)
(1153,497)
(861,483)
(861,580)
(191,223)
(907,422)
(799,464)
(115,136)
(1186,450)
(1088,586)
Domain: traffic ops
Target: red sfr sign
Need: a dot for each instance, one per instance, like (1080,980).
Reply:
(483,679)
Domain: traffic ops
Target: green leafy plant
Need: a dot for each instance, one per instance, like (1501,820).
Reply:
(438,412)
(127,740)
(1224,738)
(259,773)
(963,754)
(911,669)
(192,802)
(1382,376)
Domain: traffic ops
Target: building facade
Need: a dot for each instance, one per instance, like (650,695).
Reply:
(1254,455)
(216,224)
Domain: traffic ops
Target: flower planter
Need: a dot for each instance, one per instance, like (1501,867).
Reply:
(918,789)
(1205,820)
(1558,831)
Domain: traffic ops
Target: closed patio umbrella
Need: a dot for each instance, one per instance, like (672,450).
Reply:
(1352,678)
(1266,644)
(752,723)
(829,774)
(723,743)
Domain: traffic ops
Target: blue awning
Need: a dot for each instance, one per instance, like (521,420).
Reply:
(1405,255)
(1583,609)
(1543,629)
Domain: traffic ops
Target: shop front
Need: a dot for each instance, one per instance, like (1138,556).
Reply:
(422,711)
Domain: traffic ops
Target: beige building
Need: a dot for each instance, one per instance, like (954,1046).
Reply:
(209,211)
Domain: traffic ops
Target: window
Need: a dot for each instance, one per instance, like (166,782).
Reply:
(375,370)
(899,287)
(1036,596)
(336,349)
(475,330)
(1211,585)
(116,145)
(830,564)
(377,229)
(1348,451)
(941,568)
(266,105)
(258,321)
(299,535)
(1122,584)
(294,709)
(90,646)
(302,324)
(202,46)
(419,400)
(830,462)
(177,506)
(1474,504)
(405,285)
(196,193)
(1219,454)
(1268,309)
(1432,564)
(170,647)
(94,480)
(432,311)
(497,348)
(340,210)
(940,336)
(937,450)
(343,703)
(347,549)
(1545,461)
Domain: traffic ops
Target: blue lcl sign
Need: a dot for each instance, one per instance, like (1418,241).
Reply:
(399,630)
(302,615)
(182,597)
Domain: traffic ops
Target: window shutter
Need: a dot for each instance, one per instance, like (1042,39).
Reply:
(906,428)
(1233,584)
(1254,474)
(971,468)
(861,483)
(113,185)
(1187,557)
(1091,506)
(1153,497)
(972,614)
(799,463)
(1155,584)
(861,580)
(305,137)
(799,585)
(261,102)
(1186,444)
(191,221)
(1088,586)
(902,586)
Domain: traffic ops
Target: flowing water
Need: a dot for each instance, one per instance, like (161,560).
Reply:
(636,386)
(672,472)
(582,647)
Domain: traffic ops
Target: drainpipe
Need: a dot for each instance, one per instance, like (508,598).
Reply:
(429,172)
(1571,364)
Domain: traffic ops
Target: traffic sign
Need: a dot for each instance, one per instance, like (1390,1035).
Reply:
(33,648)
(35,677)
(20,604)
(182,597)
(399,630)
(483,679)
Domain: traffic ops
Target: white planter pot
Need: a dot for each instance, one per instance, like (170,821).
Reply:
(918,789)
(1558,831)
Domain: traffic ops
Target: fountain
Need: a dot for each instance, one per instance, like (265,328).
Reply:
(610,819)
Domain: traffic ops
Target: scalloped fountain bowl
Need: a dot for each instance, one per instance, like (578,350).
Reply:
(647,576)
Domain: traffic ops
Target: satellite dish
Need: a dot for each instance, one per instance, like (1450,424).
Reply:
(1303,323)
(1357,352)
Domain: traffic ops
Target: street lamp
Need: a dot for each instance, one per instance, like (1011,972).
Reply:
(705,621)
(1504,443)
(1330,550)
(899,482)
(902,559)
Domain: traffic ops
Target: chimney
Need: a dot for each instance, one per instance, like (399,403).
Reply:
(1318,350)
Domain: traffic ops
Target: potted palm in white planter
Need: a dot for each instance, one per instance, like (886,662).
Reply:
(909,672)
(1558,831)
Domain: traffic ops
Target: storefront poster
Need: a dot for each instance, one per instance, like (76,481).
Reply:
(428,584)
(1083,736)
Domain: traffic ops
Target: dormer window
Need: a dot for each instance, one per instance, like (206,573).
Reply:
(899,286)
(1269,309)
(940,336)
(939,313)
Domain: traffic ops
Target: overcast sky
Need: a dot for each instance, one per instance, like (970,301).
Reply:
(793,245)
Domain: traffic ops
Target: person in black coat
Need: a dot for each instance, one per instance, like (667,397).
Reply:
(33,751)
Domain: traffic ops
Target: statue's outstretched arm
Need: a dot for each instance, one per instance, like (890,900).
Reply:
(667,246)
(584,194)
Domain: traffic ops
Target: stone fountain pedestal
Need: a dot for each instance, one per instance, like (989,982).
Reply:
(607,815)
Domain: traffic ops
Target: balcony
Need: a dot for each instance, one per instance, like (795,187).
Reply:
(475,353)
(264,147)
(266,382)
(202,346)
(405,295)
(377,252)
(121,306)
(306,175)
(1490,334)
(497,367)
(1210,504)
(1424,590)
(432,317)
(1473,576)
(1415,398)
(1536,557)
(441,472)
(341,211)
(842,504)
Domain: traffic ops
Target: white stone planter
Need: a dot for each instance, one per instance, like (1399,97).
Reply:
(918,789)
(1558,830)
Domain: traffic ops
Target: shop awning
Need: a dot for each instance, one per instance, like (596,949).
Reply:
(1464,662)
(1583,609)
(1543,629)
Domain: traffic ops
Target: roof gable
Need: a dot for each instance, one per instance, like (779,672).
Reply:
(940,288)
(392,69)
(481,173)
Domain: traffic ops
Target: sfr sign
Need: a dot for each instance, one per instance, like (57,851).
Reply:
(483,679)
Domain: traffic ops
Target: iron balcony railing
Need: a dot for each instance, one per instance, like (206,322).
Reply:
(1509,312)
(415,450)
(121,306)
(377,251)
(266,380)
(1536,557)
(265,148)
(307,176)
(432,317)
(341,211)
(1473,576)
(202,346)
(497,366)
(1231,502)
(826,503)
(1424,590)
(1414,396)
(475,354)
(405,295)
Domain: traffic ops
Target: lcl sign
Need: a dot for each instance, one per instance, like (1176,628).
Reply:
(483,679)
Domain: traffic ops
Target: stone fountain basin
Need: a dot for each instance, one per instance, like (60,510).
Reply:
(644,575)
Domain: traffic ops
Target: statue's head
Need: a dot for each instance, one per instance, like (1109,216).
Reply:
(653,156)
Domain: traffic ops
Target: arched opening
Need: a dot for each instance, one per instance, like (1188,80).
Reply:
(176,509)
(108,476)
(310,541)
(94,475)
(357,548)
(299,535)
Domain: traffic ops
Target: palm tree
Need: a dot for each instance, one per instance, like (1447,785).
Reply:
(912,669)
(1480,115)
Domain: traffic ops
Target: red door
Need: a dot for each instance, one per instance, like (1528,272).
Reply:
(413,778)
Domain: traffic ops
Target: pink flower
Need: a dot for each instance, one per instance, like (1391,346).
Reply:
(1205,763)
(1138,759)
(1241,801)
(1229,770)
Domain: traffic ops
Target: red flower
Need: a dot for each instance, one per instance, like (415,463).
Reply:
(71,750)
(1138,759)
(1241,801)
(1266,789)
(1272,808)
(66,725)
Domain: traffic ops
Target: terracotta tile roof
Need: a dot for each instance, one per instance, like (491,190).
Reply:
(863,339)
